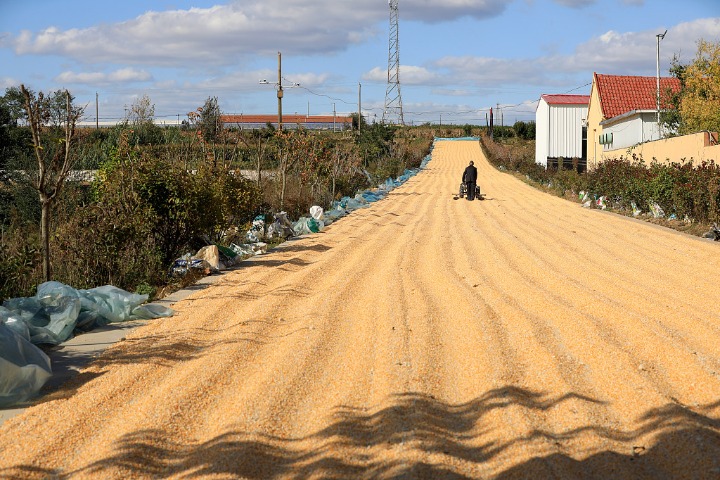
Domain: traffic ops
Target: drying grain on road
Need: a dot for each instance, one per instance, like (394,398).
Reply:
(521,336)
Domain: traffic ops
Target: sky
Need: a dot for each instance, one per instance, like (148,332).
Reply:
(458,58)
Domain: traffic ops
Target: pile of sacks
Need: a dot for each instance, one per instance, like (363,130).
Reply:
(52,316)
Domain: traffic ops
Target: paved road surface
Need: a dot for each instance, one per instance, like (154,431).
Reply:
(424,337)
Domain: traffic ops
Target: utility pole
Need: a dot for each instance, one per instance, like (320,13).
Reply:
(97,109)
(659,37)
(279,91)
(359,107)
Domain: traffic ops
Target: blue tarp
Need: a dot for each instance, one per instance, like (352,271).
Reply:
(51,317)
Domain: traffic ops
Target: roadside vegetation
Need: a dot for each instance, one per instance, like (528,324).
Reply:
(156,193)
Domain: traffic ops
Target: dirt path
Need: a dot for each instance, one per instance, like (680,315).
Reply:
(518,337)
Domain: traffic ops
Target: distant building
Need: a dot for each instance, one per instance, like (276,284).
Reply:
(560,131)
(312,122)
(623,111)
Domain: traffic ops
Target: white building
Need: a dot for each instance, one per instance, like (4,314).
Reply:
(559,130)
(630,128)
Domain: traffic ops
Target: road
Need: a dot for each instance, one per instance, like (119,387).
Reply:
(521,336)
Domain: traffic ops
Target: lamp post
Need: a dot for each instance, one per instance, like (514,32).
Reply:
(659,37)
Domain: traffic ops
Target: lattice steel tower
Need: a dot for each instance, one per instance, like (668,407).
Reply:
(393,112)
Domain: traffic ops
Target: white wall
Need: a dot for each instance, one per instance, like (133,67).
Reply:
(558,131)
(542,132)
(632,130)
(566,130)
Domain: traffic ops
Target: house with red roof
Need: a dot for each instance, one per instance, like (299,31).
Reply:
(560,135)
(622,112)
(310,122)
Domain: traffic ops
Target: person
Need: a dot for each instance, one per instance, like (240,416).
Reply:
(469,178)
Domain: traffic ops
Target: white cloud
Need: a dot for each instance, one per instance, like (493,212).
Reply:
(485,70)
(575,3)
(210,36)
(223,34)
(434,12)
(123,75)
(621,53)
(7,82)
(409,75)
(636,52)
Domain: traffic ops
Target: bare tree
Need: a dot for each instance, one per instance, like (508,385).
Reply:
(258,143)
(53,155)
(141,112)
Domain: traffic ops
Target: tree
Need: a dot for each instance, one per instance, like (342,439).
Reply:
(525,130)
(292,145)
(700,99)
(141,112)
(343,162)
(53,155)
(670,116)
(209,119)
(14,102)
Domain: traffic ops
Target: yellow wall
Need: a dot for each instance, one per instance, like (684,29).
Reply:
(698,147)
(594,130)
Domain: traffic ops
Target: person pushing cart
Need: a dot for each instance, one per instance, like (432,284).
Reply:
(469,179)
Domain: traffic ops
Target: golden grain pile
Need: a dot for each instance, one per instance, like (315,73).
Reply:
(423,337)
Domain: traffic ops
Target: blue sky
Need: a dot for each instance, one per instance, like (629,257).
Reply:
(458,58)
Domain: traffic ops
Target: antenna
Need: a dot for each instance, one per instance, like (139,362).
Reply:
(393,113)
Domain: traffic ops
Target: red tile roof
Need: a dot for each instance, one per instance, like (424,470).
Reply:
(294,119)
(565,99)
(621,94)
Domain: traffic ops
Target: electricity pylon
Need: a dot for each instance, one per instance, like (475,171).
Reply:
(393,112)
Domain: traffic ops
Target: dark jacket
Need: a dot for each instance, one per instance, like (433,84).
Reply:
(470,174)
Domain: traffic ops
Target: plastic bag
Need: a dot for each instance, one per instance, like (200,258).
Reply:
(656,210)
(24,368)
(281,227)
(316,212)
(211,255)
(306,226)
(257,230)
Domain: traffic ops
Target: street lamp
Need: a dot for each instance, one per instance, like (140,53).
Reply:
(659,36)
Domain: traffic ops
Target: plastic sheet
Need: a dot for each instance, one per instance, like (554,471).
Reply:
(58,310)
(50,315)
(24,368)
